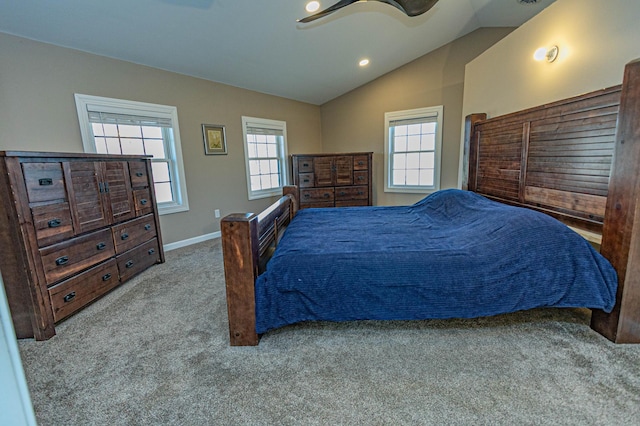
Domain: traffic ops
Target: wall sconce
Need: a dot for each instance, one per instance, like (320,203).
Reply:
(550,54)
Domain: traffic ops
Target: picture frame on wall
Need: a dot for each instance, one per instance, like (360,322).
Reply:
(215,141)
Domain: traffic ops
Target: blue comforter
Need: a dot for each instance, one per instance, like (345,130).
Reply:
(455,254)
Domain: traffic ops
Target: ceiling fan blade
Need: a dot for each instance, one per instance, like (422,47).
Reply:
(409,7)
(412,7)
(327,11)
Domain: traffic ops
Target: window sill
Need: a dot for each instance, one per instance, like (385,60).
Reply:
(276,193)
(170,209)
(411,190)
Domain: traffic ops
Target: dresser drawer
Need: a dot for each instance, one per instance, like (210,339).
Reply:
(323,195)
(317,205)
(361,162)
(347,193)
(134,232)
(305,180)
(52,223)
(138,259)
(72,256)
(44,181)
(138,173)
(352,203)
(142,200)
(361,178)
(305,164)
(74,293)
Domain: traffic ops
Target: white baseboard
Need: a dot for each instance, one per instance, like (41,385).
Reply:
(189,241)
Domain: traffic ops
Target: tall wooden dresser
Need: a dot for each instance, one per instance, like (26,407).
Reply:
(333,180)
(72,227)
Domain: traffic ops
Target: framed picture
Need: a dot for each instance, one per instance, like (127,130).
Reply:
(215,141)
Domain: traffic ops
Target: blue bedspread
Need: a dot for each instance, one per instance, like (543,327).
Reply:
(455,254)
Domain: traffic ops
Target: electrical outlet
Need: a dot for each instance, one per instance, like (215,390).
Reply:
(217,212)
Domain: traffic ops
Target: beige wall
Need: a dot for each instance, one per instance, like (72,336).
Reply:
(37,112)
(596,39)
(355,121)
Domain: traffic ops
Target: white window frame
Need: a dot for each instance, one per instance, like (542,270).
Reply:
(427,113)
(282,155)
(84,103)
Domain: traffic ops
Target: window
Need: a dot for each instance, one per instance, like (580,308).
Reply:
(115,126)
(265,147)
(413,143)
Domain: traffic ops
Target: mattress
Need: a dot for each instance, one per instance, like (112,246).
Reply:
(454,254)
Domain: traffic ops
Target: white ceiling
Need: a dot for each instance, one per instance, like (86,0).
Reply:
(257,44)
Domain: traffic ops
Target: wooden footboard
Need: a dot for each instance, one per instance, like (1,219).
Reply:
(248,242)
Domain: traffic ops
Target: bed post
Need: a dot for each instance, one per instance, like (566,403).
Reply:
(293,191)
(240,252)
(470,151)
(621,230)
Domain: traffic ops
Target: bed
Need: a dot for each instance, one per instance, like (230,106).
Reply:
(528,175)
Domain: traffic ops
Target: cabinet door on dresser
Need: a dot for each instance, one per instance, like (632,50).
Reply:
(100,192)
(86,191)
(333,171)
(343,170)
(117,190)
(323,171)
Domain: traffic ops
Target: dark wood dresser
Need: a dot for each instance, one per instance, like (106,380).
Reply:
(333,180)
(72,227)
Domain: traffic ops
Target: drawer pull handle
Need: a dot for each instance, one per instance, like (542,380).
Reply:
(147,227)
(327,195)
(106,187)
(129,264)
(306,195)
(360,193)
(151,251)
(360,177)
(139,174)
(124,236)
(101,246)
(54,223)
(306,180)
(69,297)
(62,260)
(45,181)
(106,277)
(305,164)
(360,163)
(343,193)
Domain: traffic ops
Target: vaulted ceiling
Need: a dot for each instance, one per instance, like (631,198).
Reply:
(257,44)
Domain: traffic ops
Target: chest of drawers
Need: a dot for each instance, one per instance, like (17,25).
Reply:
(74,226)
(333,180)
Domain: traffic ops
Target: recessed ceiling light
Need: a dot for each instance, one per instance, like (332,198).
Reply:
(312,6)
(363,62)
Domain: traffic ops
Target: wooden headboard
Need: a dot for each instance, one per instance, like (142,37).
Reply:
(555,158)
(578,160)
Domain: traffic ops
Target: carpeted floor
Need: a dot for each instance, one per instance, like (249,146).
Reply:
(155,351)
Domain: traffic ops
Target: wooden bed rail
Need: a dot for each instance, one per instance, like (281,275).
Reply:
(248,241)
